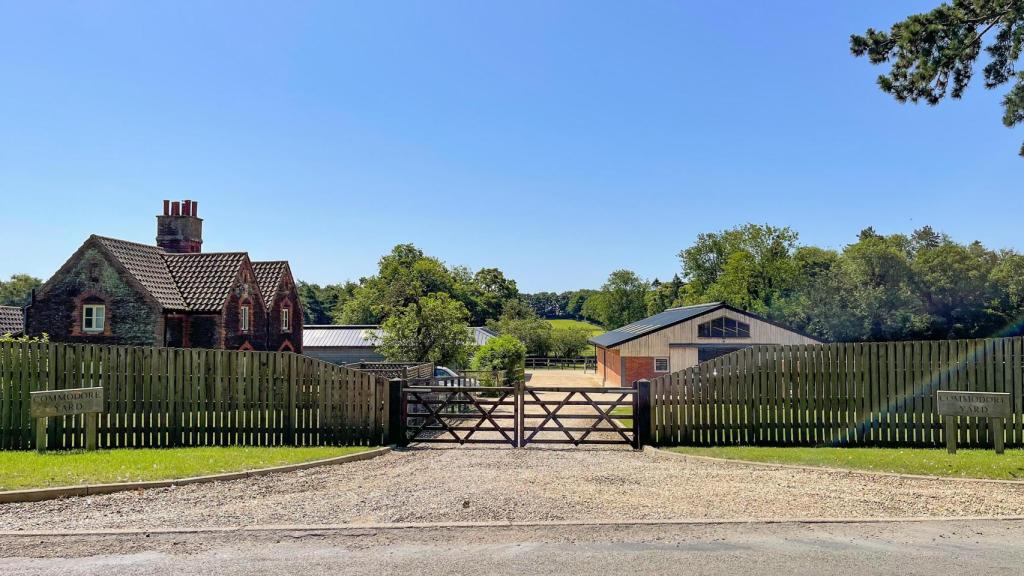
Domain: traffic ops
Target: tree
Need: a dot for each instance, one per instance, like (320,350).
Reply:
(622,300)
(664,295)
(521,322)
(504,353)
(933,54)
(18,290)
(324,305)
(749,267)
(406,274)
(490,291)
(432,329)
(569,342)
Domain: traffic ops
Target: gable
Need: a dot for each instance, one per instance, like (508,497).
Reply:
(692,316)
(206,279)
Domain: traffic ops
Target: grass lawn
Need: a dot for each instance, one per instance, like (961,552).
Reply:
(929,462)
(22,470)
(623,411)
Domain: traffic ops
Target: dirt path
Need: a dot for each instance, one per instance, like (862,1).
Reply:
(531,484)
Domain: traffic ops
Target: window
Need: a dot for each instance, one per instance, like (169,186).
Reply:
(661,364)
(93,317)
(243,320)
(723,328)
(286,319)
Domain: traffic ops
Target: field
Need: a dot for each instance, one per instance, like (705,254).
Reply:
(594,330)
(928,462)
(22,470)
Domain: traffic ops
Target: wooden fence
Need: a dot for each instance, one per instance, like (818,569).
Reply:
(548,363)
(389,370)
(160,397)
(870,394)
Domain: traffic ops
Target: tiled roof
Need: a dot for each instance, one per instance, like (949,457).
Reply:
(147,265)
(268,276)
(205,279)
(12,321)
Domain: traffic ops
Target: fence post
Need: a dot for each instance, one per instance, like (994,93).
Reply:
(396,413)
(642,414)
(520,413)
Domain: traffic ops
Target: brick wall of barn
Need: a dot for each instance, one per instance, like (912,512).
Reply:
(609,366)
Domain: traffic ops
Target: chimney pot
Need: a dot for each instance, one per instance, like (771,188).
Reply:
(195,208)
(167,207)
(175,208)
(186,208)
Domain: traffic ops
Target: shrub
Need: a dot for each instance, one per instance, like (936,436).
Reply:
(505,353)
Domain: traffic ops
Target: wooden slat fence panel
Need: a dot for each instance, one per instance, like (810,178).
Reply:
(162,397)
(845,394)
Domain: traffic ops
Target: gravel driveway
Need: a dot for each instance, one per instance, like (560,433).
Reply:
(495,484)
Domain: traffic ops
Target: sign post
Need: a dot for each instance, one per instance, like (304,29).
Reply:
(992,405)
(87,401)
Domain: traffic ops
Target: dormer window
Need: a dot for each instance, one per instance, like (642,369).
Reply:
(243,317)
(723,328)
(286,319)
(94,318)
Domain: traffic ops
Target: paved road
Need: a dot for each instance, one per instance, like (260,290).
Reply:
(934,547)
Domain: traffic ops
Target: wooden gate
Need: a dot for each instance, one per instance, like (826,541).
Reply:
(518,415)
(579,416)
(458,415)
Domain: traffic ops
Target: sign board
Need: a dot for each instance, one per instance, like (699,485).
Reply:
(63,402)
(979,404)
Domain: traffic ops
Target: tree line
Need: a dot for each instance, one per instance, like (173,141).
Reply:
(921,285)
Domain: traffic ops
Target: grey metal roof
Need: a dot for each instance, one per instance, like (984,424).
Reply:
(362,336)
(482,334)
(653,324)
(12,321)
(339,336)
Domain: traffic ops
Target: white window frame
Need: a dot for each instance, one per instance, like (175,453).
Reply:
(668,364)
(98,321)
(286,319)
(243,320)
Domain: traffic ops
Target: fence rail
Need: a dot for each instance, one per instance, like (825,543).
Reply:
(864,394)
(160,397)
(584,362)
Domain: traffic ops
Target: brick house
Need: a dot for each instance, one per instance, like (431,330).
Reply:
(679,338)
(172,294)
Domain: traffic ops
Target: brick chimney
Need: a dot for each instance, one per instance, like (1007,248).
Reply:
(180,229)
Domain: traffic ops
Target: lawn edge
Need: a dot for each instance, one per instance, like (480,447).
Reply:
(40,494)
(834,469)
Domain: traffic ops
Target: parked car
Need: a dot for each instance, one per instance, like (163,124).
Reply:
(442,372)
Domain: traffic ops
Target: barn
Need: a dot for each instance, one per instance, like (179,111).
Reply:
(682,337)
(348,344)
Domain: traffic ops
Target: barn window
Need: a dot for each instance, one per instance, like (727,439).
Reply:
(93,317)
(723,328)
(286,319)
(661,364)
(243,318)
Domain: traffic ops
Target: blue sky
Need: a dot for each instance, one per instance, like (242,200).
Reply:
(557,141)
